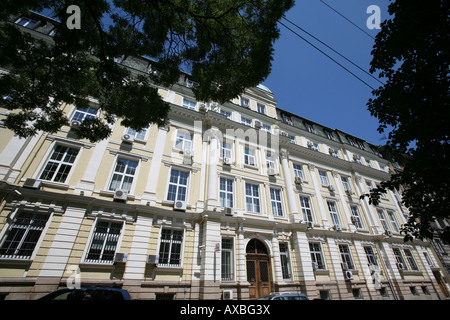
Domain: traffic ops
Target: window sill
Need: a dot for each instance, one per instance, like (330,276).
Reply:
(169,268)
(323,272)
(249,166)
(56,185)
(99,266)
(15,262)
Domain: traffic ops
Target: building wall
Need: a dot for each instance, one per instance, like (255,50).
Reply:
(83,201)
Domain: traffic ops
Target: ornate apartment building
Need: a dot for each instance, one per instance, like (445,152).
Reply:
(229,201)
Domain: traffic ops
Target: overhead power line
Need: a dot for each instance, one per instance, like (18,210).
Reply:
(347,19)
(317,39)
(325,54)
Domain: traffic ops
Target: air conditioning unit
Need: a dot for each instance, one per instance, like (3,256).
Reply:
(188,152)
(227,160)
(227,294)
(348,275)
(337,227)
(344,266)
(349,192)
(74,124)
(228,211)
(180,205)
(315,266)
(32,183)
(309,225)
(120,194)
(128,138)
(258,124)
(354,219)
(152,259)
(271,171)
(120,257)
(401,266)
(298,180)
(388,233)
(310,144)
(331,188)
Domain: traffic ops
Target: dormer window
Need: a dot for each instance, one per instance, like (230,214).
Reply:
(26,22)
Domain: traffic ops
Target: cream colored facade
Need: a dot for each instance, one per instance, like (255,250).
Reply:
(228,201)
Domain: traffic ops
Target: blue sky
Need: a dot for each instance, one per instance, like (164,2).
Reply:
(307,83)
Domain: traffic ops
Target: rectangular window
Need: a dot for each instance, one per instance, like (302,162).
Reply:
(246,121)
(265,128)
(411,261)
(84,113)
(227,259)
(226,114)
(285,260)
(139,135)
(23,235)
(275,199)
(383,220)
(371,257)
(270,163)
(346,256)
(323,178)
(316,256)
(170,248)
(356,218)
(252,197)
(123,175)
(249,157)
(226,192)
(226,150)
(346,184)
(306,209)
(394,223)
(177,185)
(25,22)
(298,171)
(189,104)
(183,140)
(261,108)
(245,102)
(104,241)
(60,163)
(334,213)
(399,258)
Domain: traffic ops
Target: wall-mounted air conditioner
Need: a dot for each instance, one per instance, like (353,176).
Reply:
(120,257)
(32,183)
(152,259)
(227,294)
(348,275)
(74,124)
(331,188)
(180,205)
(271,171)
(121,194)
(227,160)
(337,227)
(128,138)
(228,211)
(298,180)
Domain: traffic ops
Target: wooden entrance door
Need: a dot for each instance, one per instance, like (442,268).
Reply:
(258,269)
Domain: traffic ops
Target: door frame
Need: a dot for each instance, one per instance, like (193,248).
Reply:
(257,287)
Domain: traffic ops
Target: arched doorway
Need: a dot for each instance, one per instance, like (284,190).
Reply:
(258,269)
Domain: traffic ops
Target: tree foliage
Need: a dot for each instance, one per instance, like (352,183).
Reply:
(226,45)
(411,53)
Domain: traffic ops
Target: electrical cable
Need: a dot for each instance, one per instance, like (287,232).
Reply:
(300,28)
(315,47)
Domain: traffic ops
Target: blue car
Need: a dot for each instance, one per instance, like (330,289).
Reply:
(88,293)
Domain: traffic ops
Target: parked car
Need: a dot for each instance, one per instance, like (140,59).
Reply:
(88,293)
(284,296)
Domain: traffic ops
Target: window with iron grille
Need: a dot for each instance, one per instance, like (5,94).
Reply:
(23,235)
(104,242)
(227,259)
(60,163)
(170,247)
